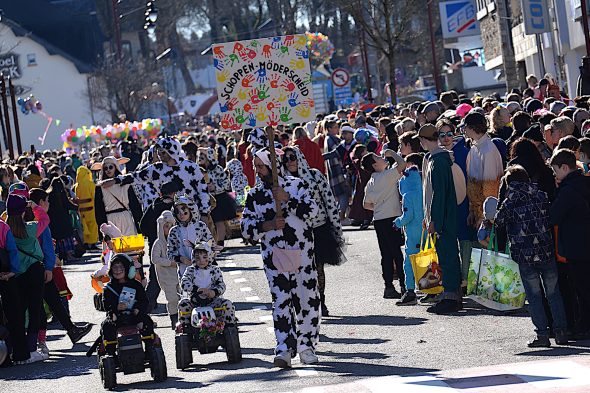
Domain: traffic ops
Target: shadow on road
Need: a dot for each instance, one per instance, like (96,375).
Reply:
(367,370)
(171,383)
(374,320)
(577,348)
(352,340)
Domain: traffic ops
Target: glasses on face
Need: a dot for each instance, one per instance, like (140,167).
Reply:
(448,134)
(109,167)
(290,157)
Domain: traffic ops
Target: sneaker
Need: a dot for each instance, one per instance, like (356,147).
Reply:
(42,347)
(308,357)
(561,338)
(365,225)
(77,332)
(35,357)
(408,299)
(445,306)
(391,293)
(428,299)
(283,360)
(44,356)
(346,222)
(539,342)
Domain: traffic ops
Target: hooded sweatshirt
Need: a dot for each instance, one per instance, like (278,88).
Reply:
(440,200)
(167,276)
(410,187)
(84,189)
(193,231)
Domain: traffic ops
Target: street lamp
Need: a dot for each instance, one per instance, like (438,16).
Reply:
(152,14)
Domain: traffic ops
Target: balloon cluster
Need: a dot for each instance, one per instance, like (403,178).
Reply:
(29,104)
(137,130)
(320,47)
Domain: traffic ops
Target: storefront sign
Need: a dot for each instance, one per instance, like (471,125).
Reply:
(458,18)
(536,16)
(9,65)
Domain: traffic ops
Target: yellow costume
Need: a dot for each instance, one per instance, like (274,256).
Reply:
(84,189)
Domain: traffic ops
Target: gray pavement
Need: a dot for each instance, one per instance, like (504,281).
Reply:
(366,336)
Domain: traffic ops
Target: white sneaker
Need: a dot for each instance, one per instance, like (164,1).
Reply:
(308,357)
(283,360)
(35,357)
(44,356)
(42,347)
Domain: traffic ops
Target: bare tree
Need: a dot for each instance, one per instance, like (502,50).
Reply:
(120,88)
(387,23)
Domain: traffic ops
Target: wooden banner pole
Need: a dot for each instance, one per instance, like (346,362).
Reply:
(273,165)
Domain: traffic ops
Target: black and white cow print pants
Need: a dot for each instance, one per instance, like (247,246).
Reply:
(295,309)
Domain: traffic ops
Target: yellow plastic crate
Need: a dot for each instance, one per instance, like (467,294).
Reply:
(133,243)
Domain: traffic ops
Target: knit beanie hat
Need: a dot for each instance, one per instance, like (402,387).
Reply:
(15,205)
(19,188)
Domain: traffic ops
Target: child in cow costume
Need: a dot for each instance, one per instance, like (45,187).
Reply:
(202,284)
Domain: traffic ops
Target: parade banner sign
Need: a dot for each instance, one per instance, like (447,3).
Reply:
(264,82)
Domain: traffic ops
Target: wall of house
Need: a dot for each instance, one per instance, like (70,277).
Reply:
(54,81)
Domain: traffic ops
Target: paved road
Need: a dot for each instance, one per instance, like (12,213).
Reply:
(366,338)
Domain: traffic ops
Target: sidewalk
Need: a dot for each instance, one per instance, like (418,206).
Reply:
(566,375)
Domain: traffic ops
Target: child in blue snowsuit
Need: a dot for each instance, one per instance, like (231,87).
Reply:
(410,188)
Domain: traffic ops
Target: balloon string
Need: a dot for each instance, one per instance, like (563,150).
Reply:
(49,121)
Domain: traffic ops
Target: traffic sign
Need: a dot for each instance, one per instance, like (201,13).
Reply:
(340,77)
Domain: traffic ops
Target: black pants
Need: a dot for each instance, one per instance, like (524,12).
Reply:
(390,242)
(15,314)
(566,284)
(30,286)
(580,270)
(53,299)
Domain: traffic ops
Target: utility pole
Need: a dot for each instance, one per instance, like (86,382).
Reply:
(116,28)
(433,50)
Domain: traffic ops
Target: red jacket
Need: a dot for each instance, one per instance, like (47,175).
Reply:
(312,153)
(246,161)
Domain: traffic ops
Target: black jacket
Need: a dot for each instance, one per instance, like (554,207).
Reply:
(111,301)
(148,223)
(571,213)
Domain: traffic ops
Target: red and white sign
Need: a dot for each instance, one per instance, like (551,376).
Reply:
(340,77)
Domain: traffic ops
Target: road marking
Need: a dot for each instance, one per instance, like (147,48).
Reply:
(306,372)
(263,307)
(246,289)
(270,330)
(252,298)
(235,273)
(241,279)
(265,318)
(230,264)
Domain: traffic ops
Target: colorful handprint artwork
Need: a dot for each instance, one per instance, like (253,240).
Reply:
(264,82)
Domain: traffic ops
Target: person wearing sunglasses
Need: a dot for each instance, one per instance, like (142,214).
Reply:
(118,204)
(449,140)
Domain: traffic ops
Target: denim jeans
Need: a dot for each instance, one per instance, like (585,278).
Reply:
(533,276)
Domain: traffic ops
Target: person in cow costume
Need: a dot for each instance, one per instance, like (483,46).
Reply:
(172,167)
(287,250)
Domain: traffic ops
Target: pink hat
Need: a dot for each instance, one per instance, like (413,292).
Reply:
(463,110)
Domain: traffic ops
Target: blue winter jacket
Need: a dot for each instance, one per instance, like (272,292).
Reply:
(410,188)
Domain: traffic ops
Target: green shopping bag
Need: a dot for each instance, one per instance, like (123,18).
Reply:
(497,284)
